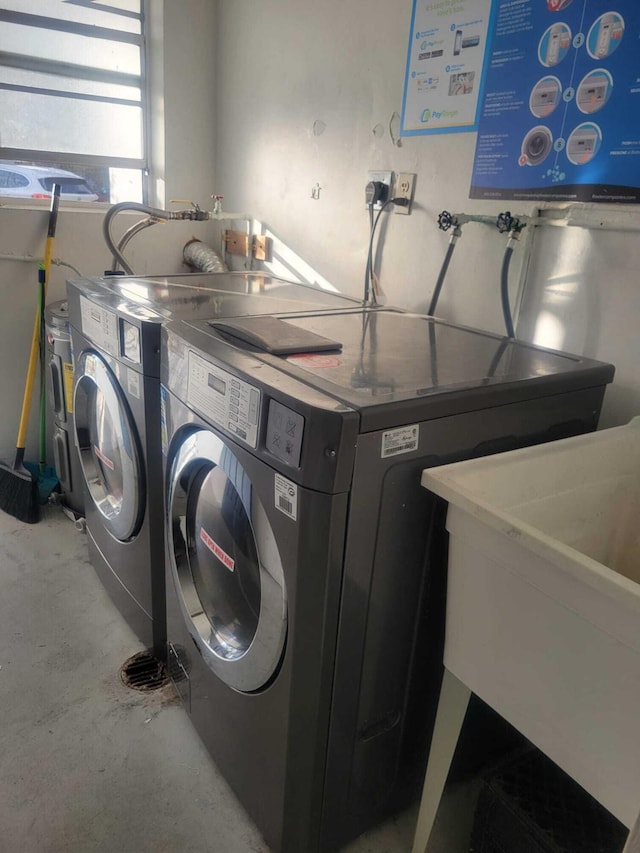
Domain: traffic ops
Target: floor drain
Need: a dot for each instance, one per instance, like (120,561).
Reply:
(144,672)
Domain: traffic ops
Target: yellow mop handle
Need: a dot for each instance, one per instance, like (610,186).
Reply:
(35,338)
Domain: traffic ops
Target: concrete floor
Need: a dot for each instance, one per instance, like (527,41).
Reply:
(90,766)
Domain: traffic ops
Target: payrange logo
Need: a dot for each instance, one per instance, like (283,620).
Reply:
(436,115)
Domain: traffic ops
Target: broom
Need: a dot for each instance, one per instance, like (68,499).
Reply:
(18,486)
(47,478)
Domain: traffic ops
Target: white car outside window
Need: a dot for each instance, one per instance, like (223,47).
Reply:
(37,182)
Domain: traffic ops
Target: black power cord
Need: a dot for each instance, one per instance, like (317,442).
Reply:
(369,289)
(375,193)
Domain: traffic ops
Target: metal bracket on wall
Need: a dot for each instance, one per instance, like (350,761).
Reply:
(261,247)
(236,242)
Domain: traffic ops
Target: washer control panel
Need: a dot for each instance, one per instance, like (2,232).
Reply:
(225,399)
(99,325)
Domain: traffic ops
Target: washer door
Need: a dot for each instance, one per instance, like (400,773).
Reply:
(226,566)
(108,446)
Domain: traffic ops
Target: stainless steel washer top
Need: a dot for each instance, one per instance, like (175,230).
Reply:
(197,295)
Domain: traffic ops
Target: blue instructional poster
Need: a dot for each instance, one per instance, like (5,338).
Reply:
(445,65)
(560,120)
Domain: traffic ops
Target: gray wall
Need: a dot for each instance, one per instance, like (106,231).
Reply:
(583,296)
(182,39)
(284,65)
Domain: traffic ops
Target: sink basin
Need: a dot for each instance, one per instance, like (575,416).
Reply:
(543,601)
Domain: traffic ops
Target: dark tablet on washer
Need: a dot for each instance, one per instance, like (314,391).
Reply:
(274,335)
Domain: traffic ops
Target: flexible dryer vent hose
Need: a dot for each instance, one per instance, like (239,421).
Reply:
(201,257)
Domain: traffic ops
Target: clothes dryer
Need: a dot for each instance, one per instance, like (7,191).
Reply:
(305,563)
(60,388)
(115,325)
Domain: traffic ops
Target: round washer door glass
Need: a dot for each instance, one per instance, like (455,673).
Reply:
(108,445)
(226,566)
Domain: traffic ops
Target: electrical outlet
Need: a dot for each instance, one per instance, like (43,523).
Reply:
(385,178)
(405,185)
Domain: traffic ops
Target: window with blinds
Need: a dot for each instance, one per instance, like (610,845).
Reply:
(72,96)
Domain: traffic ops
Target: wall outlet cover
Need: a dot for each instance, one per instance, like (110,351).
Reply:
(404,188)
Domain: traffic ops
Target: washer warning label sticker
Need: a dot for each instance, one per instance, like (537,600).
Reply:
(227,561)
(400,440)
(67,367)
(133,383)
(286,496)
(315,360)
(90,365)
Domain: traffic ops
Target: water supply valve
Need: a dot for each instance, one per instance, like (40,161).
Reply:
(217,204)
(195,214)
(506,223)
(446,220)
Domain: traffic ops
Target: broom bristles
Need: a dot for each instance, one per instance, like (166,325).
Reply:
(19,493)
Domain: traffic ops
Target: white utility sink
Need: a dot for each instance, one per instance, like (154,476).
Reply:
(543,603)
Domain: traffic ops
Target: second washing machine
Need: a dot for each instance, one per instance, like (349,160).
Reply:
(116,417)
(115,328)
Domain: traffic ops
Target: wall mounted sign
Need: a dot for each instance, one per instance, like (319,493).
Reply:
(560,118)
(445,65)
